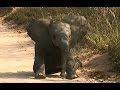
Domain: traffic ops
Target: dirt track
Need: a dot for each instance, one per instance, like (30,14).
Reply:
(17,56)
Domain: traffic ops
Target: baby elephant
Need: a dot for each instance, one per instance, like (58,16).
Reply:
(53,42)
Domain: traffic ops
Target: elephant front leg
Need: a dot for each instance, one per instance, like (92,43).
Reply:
(71,69)
(64,53)
(63,71)
(69,66)
(39,68)
(39,64)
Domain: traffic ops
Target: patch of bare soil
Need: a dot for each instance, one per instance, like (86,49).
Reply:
(17,57)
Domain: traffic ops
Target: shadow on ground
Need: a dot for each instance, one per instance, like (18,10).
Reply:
(23,75)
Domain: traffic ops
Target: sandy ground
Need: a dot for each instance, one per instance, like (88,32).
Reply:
(17,57)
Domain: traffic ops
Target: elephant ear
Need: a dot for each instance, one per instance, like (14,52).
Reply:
(29,29)
(36,28)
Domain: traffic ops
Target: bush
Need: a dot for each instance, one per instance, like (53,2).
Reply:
(5,10)
(23,15)
(114,53)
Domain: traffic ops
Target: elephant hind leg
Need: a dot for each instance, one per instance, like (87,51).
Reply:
(56,70)
(53,60)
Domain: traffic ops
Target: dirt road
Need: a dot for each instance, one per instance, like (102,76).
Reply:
(17,57)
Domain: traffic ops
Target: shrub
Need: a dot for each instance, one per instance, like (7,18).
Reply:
(114,53)
(5,10)
(23,15)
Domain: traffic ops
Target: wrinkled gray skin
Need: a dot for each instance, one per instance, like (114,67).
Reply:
(52,48)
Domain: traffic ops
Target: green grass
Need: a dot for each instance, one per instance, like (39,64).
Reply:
(104,25)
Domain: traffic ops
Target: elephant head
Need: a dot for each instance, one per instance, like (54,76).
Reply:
(79,27)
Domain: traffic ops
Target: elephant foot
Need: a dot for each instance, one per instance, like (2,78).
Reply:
(40,76)
(71,76)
